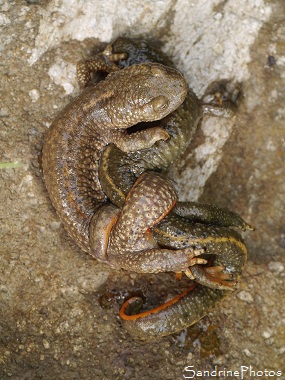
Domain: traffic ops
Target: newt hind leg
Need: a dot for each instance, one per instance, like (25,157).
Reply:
(129,243)
(104,61)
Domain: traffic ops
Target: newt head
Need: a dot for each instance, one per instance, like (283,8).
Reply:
(146,92)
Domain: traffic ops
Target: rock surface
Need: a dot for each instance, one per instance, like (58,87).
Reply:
(58,307)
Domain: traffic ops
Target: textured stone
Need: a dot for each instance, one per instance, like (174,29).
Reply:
(59,308)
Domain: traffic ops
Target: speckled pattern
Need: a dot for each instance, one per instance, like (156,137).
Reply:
(74,143)
(131,244)
(230,255)
(178,230)
(122,169)
(104,61)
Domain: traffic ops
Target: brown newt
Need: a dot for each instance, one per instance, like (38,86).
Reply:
(72,150)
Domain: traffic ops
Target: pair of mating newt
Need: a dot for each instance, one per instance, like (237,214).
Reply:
(107,188)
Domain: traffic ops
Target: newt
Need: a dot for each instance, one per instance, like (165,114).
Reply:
(181,125)
(220,243)
(96,122)
(73,146)
(212,285)
(206,228)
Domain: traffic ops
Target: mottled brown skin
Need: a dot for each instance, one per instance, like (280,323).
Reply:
(128,242)
(71,156)
(118,170)
(117,177)
(180,125)
(149,201)
(211,236)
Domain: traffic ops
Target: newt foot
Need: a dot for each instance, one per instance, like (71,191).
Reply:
(104,61)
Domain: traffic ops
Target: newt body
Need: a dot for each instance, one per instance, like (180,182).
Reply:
(229,256)
(89,136)
(94,119)
(71,154)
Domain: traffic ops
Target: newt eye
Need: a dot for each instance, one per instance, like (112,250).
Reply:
(160,103)
(157,71)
